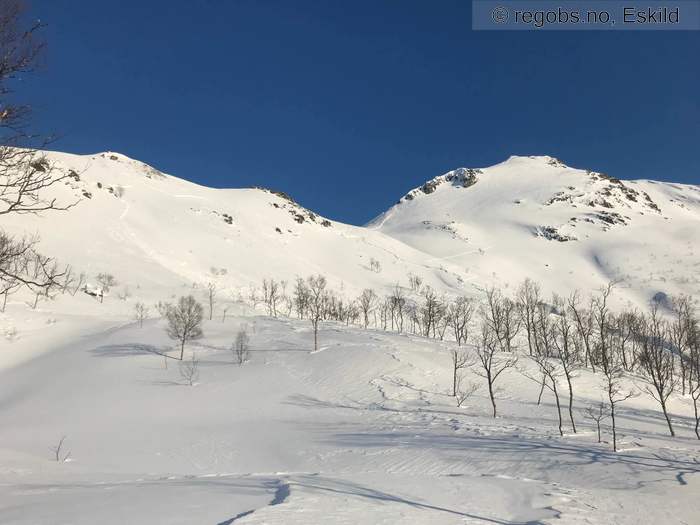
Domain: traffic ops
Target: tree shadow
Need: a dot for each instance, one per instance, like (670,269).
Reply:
(335,486)
(306,401)
(128,350)
(548,453)
(404,384)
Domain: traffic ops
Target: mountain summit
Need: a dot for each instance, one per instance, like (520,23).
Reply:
(537,217)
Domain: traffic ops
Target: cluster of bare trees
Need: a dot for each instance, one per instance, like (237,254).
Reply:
(566,335)
(184,324)
(560,336)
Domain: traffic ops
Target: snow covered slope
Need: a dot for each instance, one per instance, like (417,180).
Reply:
(526,217)
(567,228)
(363,432)
(150,229)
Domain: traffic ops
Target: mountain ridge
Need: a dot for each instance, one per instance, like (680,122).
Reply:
(460,231)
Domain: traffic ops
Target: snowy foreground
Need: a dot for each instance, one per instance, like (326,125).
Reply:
(362,431)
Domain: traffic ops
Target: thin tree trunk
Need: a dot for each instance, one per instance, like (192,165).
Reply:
(556,396)
(539,398)
(668,419)
(614,430)
(454,381)
(182,349)
(571,403)
(493,398)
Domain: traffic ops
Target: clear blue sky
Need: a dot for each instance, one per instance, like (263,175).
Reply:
(346,104)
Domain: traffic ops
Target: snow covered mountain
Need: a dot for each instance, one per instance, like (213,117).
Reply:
(565,227)
(469,228)
(154,230)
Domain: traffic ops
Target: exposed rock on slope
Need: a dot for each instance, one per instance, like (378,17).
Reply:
(642,233)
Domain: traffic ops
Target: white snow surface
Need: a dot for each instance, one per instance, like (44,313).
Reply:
(363,431)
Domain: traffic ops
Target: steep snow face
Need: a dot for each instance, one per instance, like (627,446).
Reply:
(155,231)
(567,228)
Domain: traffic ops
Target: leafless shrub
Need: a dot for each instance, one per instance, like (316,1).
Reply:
(189,370)
(241,346)
(106,282)
(596,413)
(58,451)
(140,313)
(162,307)
(464,391)
(460,360)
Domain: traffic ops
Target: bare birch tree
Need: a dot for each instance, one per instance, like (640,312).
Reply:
(613,374)
(656,362)
(527,300)
(568,356)
(272,294)
(491,362)
(367,302)
(241,346)
(551,373)
(185,321)
(502,316)
(317,300)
